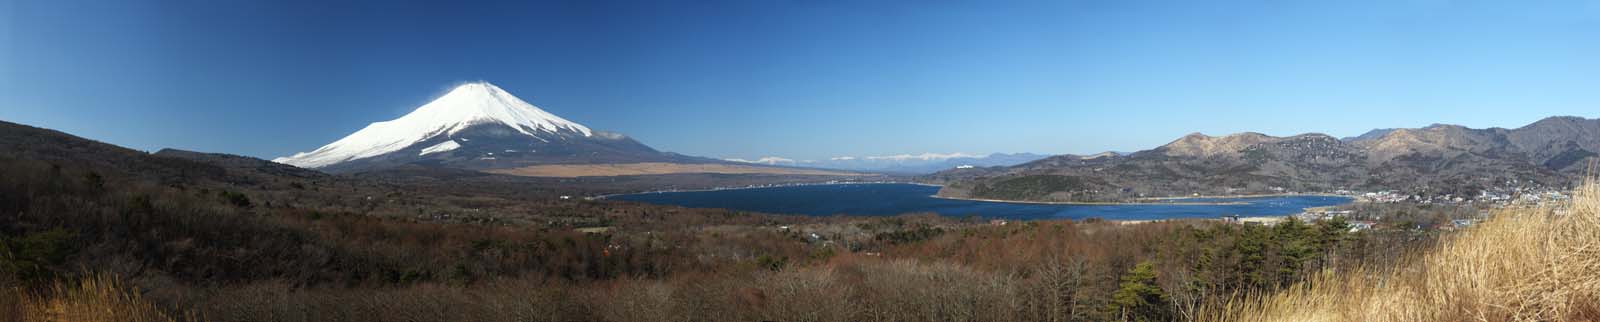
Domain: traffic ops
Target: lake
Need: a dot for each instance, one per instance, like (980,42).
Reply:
(893,199)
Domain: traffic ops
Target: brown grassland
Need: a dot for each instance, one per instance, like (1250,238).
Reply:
(1523,265)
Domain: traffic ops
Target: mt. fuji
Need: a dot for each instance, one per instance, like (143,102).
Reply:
(478,126)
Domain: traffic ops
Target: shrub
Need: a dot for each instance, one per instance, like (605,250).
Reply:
(772,263)
(908,236)
(235,198)
(32,257)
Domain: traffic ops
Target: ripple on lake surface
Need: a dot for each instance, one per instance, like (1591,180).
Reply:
(894,199)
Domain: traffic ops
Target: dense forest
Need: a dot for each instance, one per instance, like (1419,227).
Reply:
(90,232)
(221,252)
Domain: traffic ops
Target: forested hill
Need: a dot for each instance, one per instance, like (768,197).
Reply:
(1436,160)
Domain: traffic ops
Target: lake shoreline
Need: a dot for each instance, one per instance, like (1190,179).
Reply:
(607,196)
(1095,203)
(871,199)
(1266,195)
(1137,202)
(1146,200)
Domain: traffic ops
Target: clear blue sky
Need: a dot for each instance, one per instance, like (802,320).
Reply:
(799,79)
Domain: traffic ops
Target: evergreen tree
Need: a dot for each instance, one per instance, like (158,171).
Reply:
(1296,247)
(1331,234)
(1139,298)
(1250,247)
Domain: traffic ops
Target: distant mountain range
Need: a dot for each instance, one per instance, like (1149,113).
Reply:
(904,163)
(1438,159)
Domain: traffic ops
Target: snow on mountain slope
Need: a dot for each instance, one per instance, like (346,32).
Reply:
(463,107)
(767,161)
(442,147)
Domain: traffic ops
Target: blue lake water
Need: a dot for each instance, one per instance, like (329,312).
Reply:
(894,199)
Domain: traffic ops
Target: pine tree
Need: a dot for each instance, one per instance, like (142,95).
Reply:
(1139,298)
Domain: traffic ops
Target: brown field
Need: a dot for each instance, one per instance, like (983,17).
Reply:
(649,168)
(1521,265)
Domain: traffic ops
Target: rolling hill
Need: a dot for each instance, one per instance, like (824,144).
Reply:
(1438,159)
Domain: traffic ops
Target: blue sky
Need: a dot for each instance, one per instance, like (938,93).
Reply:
(799,79)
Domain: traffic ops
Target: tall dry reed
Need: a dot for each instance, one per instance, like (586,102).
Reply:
(1540,264)
(99,298)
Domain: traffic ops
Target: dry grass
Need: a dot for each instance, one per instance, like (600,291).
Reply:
(10,304)
(100,298)
(652,168)
(503,300)
(1522,265)
(867,290)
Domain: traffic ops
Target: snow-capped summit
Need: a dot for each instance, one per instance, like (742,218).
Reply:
(470,124)
(481,102)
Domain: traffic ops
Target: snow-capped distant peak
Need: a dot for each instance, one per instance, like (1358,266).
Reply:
(764,160)
(464,106)
(924,156)
(885,158)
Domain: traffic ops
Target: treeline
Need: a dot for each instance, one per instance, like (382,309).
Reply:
(191,239)
(1039,187)
(1047,271)
(217,252)
(1149,272)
